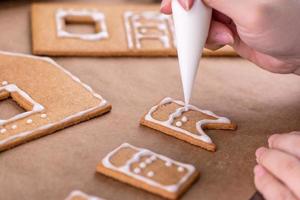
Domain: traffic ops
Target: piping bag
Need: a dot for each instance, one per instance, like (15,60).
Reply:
(191,30)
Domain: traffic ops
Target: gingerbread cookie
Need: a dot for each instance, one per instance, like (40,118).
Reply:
(78,195)
(185,122)
(52,98)
(120,30)
(147,170)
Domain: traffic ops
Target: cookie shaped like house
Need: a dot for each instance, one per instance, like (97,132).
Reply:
(52,98)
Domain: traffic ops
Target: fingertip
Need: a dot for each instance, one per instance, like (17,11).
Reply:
(259,152)
(166,7)
(271,140)
(219,36)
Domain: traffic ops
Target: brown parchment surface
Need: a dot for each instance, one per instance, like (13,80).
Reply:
(261,103)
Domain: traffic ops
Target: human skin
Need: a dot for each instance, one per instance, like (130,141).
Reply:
(277,174)
(268,35)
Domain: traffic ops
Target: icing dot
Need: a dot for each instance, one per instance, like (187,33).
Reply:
(29,121)
(168,164)
(179,124)
(4,83)
(148,161)
(44,116)
(142,165)
(153,158)
(144,30)
(14,126)
(3,130)
(184,119)
(180,169)
(137,170)
(150,174)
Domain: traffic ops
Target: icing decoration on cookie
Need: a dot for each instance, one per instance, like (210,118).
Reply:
(150,174)
(168,164)
(97,17)
(14,126)
(36,108)
(184,119)
(141,153)
(4,83)
(44,116)
(180,169)
(11,88)
(29,121)
(179,113)
(76,194)
(140,26)
(3,130)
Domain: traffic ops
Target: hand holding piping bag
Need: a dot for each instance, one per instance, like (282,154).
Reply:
(266,33)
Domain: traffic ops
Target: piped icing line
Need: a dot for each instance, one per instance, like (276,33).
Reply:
(136,31)
(103,102)
(76,193)
(145,152)
(179,111)
(96,16)
(36,107)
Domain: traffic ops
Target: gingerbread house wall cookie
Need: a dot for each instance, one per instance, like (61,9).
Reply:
(78,195)
(118,30)
(52,98)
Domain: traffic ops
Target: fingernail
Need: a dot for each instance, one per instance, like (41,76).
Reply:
(259,170)
(224,38)
(259,152)
(271,139)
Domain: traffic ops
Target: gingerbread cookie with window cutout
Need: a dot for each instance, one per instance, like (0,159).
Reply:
(186,123)
(78,195)
(147,170)
(51,97)
(113,30)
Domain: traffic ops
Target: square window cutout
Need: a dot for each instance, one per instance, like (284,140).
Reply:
(81,24)
(17,102)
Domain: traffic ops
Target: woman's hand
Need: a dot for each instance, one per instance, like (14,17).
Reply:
(277,175)
(264,32)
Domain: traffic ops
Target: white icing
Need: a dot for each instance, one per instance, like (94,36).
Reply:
(3,130)
(35,106)
(14,126)
(179,112)
(150,174)
(136,157)
(29,121)
(148,161)
(4,83)
(191,28)
(184,119)
(77,193)
(137,170)
(143,165)
(137,31)
(168,164)
(180,169)
(178,124)
(102,103)
(44,116)
(96,16)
